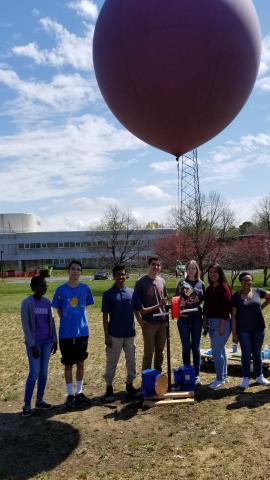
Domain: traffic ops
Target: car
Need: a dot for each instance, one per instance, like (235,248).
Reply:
(101,275)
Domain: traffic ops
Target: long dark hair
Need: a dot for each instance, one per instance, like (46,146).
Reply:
(222,277)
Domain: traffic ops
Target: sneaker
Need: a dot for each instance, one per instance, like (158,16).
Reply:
(216,384)
(131,390)
(81,399)
(70,401)
(43,405)
(227,380)
(245,382)
(27,411)
(262,381)
(109,394)
(198,381)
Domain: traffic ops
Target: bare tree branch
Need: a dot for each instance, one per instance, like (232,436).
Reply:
(120,228)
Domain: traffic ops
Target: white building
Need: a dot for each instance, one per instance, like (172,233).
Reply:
(19,222)
(27,248)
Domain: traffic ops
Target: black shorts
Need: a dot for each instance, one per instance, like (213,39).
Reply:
(73,350)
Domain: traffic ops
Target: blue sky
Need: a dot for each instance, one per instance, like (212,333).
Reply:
(64,156)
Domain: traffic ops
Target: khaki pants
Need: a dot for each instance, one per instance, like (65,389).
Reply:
(112,356)
(154,338)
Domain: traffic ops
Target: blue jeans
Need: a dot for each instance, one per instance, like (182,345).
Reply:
(218,343)
(38,371)
(251,344)
(190,330)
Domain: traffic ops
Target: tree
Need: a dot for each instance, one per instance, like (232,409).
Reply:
(153,225)
(263,214)
(173,247)
(206,224)
(122,242)
(246,228)
(243,254)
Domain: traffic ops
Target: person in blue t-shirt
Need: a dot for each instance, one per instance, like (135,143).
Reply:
(71,300)
(119,330)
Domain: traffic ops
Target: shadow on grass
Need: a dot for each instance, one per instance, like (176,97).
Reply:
(33,445)
(204,393)
(248,399)
(123,406)
(234,369)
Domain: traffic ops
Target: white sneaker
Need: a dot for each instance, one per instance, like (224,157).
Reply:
(245,382)
(216,384)
(227,380)
(262,381)
(198,381)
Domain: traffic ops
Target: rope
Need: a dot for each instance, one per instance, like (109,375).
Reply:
(178,188)
(178,204)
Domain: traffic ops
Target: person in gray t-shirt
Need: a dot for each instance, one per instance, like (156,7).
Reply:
(248,326)
(150,299)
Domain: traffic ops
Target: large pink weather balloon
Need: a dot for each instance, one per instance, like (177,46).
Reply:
(176,72)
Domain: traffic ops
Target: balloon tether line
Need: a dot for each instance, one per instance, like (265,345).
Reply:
(178,202)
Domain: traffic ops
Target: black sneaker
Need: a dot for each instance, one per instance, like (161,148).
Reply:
(43,405)
(27,411)
(109,394)
(70,401)
(81,400)
(131,390)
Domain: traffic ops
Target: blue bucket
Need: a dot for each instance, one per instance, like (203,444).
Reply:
(184,377)
(149,381)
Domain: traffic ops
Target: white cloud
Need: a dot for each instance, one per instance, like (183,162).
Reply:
(70,49)
(71,220)
(152,192)
(35,12)
(82,213)
(58,161)
(64,92)
(244,208)
(99,204)
(147,214)
(265,60)
(264,84)
(76,217)
(228,161)
(164,167)
(85,8)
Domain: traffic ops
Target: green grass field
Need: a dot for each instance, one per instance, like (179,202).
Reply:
(223,435)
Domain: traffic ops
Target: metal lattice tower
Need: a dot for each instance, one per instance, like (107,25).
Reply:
(188,187)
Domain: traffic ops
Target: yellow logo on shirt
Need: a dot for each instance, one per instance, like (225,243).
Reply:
(74,301)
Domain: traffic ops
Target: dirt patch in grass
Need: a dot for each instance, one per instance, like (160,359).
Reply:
(225,434)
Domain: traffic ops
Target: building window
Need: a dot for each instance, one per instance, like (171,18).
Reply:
(60,245)
(26,245)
